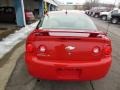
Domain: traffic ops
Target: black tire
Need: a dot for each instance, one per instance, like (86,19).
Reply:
(104,17)
(114,20)
(96,15)
(91,13)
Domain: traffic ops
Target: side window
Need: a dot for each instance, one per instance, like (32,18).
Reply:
(9,10)
(114,12)
(1,10)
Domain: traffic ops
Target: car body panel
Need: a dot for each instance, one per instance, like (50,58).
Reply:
(116,17)
(64,54)
(43,69)
(108,14)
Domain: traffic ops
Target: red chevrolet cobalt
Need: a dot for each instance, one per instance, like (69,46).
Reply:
(66,45)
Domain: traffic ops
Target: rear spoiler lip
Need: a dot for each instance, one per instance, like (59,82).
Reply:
(94,33)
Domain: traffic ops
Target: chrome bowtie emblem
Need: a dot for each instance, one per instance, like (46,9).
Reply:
(69,48)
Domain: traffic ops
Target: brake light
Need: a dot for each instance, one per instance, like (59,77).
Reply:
(96,50)
(107,50)
(42,49)
(29,48)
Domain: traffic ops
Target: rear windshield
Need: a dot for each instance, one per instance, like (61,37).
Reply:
(76,21)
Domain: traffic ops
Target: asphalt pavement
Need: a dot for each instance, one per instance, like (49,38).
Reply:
(21,80)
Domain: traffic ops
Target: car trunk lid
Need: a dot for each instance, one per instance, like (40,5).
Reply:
(69,46)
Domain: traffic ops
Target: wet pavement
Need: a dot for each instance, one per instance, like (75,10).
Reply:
(21,80)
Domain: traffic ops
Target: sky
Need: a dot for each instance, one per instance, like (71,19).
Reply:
(83,1)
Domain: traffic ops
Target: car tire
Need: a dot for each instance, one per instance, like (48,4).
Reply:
(104,17)
(90,14)
(93,14)
(38,80)
(96,16)
(114,20)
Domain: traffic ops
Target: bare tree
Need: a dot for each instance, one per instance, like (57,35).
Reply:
(91,3)
(87,6)
(119,5)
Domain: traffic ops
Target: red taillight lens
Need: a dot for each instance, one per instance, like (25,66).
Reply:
(29,48)
(42,49)
(107,50)
(96,50)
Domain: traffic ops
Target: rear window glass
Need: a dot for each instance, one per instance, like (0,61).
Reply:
(67,21)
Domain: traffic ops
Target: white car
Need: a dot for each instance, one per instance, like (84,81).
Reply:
(107,15)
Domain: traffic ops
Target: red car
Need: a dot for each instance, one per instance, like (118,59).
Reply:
(7,14)
(29,16)
(67,46)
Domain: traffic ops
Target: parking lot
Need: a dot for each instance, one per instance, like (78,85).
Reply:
(21,80)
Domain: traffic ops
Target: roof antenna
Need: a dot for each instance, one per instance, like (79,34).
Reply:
(108,22)
(66,12)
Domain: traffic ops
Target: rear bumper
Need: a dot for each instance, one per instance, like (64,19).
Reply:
(64,71)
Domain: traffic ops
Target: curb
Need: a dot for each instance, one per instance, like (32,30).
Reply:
(5,58)
(9,62)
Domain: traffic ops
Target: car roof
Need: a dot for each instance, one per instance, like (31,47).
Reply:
(68,11)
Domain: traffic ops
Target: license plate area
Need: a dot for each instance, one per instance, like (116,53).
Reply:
(69,73)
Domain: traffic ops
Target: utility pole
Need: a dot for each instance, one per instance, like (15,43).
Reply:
(91,3)
(114,4)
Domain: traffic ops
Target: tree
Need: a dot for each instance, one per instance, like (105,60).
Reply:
(90,3)
(87,6)
(119,5)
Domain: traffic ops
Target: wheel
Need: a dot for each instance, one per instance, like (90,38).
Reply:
(114,20)
(92,14)
(96,15)
(104,18)
(38,80)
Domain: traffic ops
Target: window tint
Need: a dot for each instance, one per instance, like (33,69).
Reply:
(1,9)
(9,10)
(115,12)
(67,21)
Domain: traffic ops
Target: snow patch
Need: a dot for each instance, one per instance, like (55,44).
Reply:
(9,42)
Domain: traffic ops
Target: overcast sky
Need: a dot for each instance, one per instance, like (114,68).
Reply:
(82,1)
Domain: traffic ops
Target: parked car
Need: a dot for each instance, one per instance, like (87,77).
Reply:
(86,12)
(29,16)
(90,12)
(7,14)
(82,11)
(115,18)
(67,46)
(95,11)
(107,15)
(36,13)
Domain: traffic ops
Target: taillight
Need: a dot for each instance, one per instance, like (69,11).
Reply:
(42,49)
(96,50)
(29,48)
(107,50)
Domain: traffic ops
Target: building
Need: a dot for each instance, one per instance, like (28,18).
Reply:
(22,5)
(70,7)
